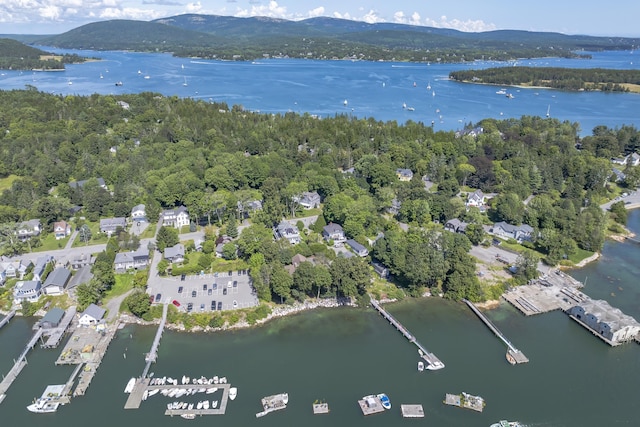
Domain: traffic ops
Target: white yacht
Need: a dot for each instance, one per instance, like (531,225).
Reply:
(233,392)
(420,366)
(129,388)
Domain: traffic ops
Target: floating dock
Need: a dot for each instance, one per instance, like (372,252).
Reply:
(320,408)
(273,403)
(152,356)
(370,405)
(412,411)
(514,356)
(433,363)
(465,400)
(18,365)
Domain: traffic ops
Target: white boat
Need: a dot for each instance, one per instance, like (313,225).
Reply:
(129,388)
(510,96)
(346,102)
(169,406)
(101,76)
(145,395)
(139,72)
(429,86)
(384,399)
(420,366)
(433,93)
(212,390)
(188,416)
(233,392)
(223,380)
(185,82)
(410,109)
(216,380)
(147,77)
(190,407)
(205,404)
(549,110)
(153,392)
(504,423)
(404,105)
(199,405)
(501,92)
(214,404)
(43,406)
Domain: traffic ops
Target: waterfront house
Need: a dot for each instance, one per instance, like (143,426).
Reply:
(61,229)
(288,231)
(29,229)
(607,322)
(380,270)
(56,282)
(41,266)
(404,175)
(174,253)
(516,232)
(177,218)
(138,213)
(27,290)
(52,318)
(309,200)
(357,248)
(333,231)
(110,225)
(80,184)
(92,315)
(476,199)
(137,260)
(456,226)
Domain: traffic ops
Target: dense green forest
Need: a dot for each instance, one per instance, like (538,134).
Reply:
(17,56)
(231,38)
(602,79)
(167,151)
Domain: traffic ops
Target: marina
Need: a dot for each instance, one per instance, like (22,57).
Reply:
(514,356)
(433,363)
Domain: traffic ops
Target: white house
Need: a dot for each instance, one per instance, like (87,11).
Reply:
(56,282)
(309,200)
(177,218)
(516,232)
(15,268)
(607,322)
(131,260)
(91,316)
(356,247)
(138,213)
(28,229)
(61,229)
(28,290)
(632,159)
(476,199)
(333,232)
(285,230)
(110,225)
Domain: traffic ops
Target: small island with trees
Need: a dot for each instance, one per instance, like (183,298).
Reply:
(18,56)
(571,79)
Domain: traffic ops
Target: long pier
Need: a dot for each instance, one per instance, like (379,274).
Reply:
(152,356)
(431,359)
(19,364)
(6,318)
(54,336)
(513,354)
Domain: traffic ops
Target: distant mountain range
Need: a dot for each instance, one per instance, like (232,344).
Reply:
(228,37)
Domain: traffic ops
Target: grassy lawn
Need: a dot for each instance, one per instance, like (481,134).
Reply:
(381,288)
(220,265)
(149,232)
(5,183)
(124,283)
(49,243)
(96,237)
(580,255)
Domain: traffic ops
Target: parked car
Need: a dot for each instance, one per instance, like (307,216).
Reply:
(189,306)
(219,305)
(224,291)
(230,273)
(180,289)
(235,304)
(235,283)
(193,294)
(210,291)
(204,287)
(158,297)
(176,303)
(215,286)
(183,276)
(202,307)
(213,305)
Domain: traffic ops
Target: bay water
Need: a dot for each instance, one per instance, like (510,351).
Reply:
(340,355)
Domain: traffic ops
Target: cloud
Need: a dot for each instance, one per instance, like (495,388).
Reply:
(163,2)
(372,17)
(469,25)
(318,11)
(194,7)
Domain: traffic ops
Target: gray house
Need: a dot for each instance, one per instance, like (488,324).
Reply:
(52,318)
(356,247)
(175,253)
(310,200)
(110,225)
(333,232)
(607,322)
(137,260)
(516,232)
(29,229)
(41,266)
(56,281)
(80,184)
(288,231)
(28,290)
(456,226)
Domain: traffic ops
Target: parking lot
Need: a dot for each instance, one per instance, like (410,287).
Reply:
(207,292)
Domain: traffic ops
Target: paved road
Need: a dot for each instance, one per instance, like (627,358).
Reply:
(631,201)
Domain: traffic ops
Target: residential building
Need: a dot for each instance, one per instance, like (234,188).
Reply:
(405,175)
(220,242)
(110,225)
(92,315)
(29,229)
(52,318)
(607,322)
(333,231)
(61,229)
(137,260)
(296,260)
(28,290)
(456,226)
(41,266)
(632,159)
(81,260)
(285,230)
(83,275)
(476,199)
(380,270)
(394,209)
(56,282)
(12,269)
(247,208)
(177,218)
(356,247)
(80,184)
(516,232)
(309,200)
(620,176)
(174,253)
(138,213)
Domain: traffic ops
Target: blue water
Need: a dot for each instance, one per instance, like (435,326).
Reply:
(371,89)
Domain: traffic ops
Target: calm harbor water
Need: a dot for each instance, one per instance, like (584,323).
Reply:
(573,378)
(371,89)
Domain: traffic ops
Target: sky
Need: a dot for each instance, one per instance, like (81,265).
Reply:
(591,17)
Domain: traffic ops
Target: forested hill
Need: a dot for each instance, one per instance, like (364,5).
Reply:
(588,79)
(227,37)
(18,56)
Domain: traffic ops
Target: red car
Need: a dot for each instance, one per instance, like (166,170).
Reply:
(176,303)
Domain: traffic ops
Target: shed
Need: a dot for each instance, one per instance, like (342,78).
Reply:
(52,318)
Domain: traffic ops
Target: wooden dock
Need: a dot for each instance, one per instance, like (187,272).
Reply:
(433,363)
(370,405)
(18,365)
(6,318)
(514,356)
(54,335)
(320,408)
(412,411)
(152,356)
(465,400)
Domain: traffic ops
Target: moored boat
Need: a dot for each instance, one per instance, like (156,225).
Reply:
(188,416)
(129,387)
(420,366)
(233,392)
(384,399)
(504,423)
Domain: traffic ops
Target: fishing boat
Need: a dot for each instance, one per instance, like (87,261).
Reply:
(48,402)
(129,388)
(429,86)
(118,83)
(384,399)
(214,404)
(420,366)
(501,92)
(345,102)
(233,392)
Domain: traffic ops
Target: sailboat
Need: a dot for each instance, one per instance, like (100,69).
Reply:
(345,102)
(429,86)
(549,110)
(185,82)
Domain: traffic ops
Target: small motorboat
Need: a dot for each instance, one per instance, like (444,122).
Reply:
(233,392)
(420,366)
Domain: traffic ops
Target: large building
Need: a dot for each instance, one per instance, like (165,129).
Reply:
(607,322)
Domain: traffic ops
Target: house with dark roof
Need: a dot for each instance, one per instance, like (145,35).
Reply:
(220,242)
(56,282)
(27,290)
(61,229)
(177,218)
(174,253)
(405,175)
(92,315)
(356,247)
(456,226)
(380,270)
(137,260)
(110,225)
(288,231)
(333,231)
(29,229)
(52,318)
(80,184)
(309,200)
(516,232)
